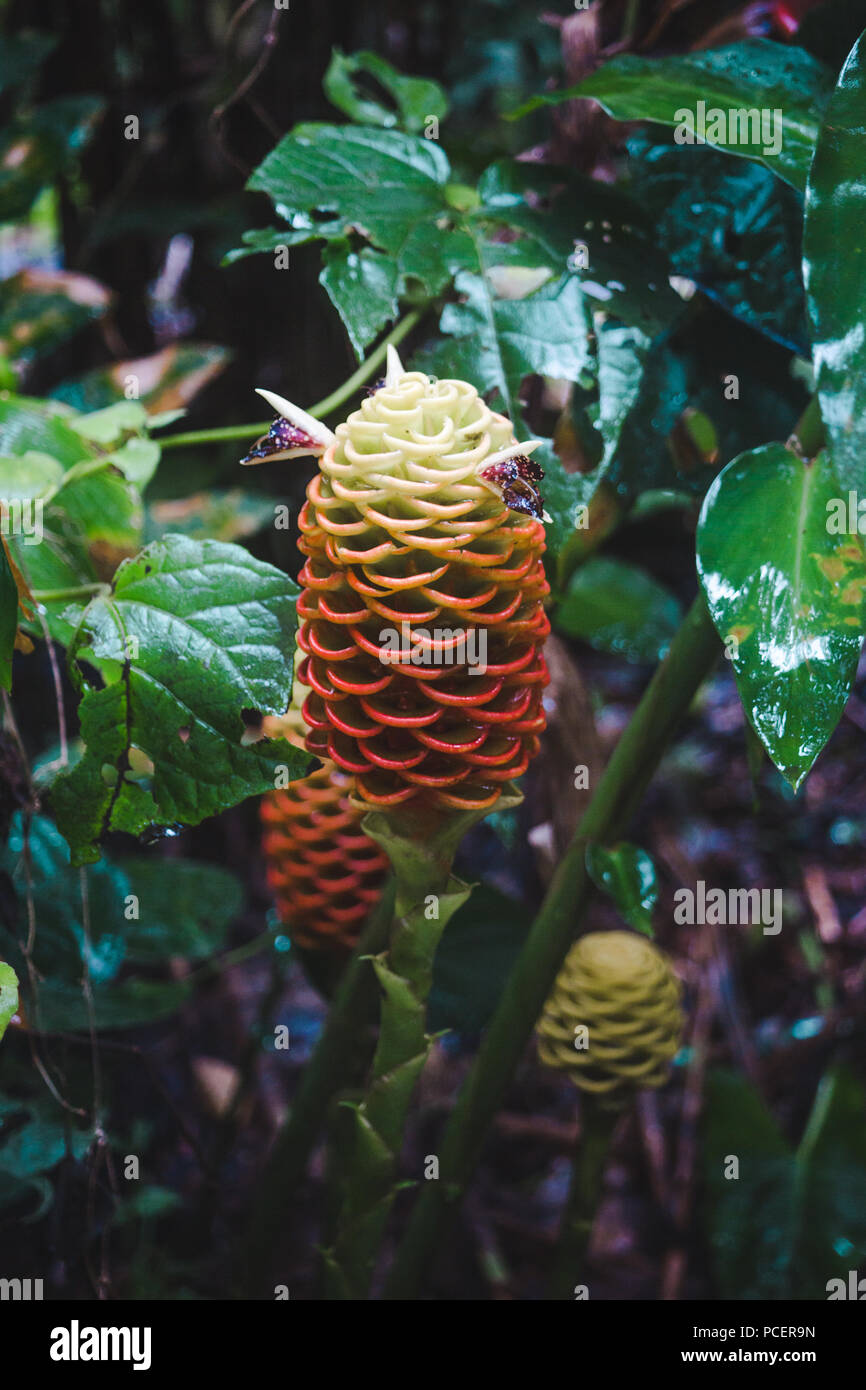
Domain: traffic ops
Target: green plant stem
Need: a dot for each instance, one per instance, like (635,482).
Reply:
(343,1038)
(77,591)
(421,845)
(584,1193)
(666,700)
(322,408)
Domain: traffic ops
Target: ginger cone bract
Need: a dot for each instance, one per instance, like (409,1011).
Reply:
(621,988)
(422,617)
(324,872)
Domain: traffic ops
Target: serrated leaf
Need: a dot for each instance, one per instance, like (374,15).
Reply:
(388,187)
(191,634)
(363,288)
(752,75)
(496,343)
(789,592)
(834,267)
(628,875)
(617,607)
(415,99)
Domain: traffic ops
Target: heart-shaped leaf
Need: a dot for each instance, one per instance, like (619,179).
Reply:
(785,591)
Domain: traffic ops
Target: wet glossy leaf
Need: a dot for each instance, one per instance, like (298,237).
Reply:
(616,607)
(835,266)
(627,873)
(362,286)
(414,99)
(191,635)
(8,995)
(787,597)
(600,233)
(729,226)
(753,75)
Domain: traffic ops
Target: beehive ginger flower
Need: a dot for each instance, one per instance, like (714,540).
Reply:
(422,605)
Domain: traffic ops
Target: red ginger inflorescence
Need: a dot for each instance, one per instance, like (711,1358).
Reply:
(324,872)
(422,605)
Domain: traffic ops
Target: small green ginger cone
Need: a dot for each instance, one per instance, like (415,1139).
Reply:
(613,1020)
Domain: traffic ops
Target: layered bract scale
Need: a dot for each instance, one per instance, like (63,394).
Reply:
(613,1020)
(404,540)
(324,872)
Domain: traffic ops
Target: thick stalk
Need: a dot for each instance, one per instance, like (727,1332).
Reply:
(693,653)
(343,1037)
(322,408)
(421,845)
(584,1193)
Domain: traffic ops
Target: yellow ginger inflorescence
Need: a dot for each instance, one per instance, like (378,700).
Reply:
(620,989)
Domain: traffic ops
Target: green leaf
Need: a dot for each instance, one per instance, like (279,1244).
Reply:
(729,226)
(166,380)
(191,634)
(34,426)
(41,309)
(8,995)
(38,1146)
(138,460)
(560,213)
(39,147)
(473,960)
(628,875)
(791,1220)
(616,607)
(8,617)
(416,99)
(28,475)
(790,595)
(185,908)
(752,75)
(363,288)
(108,426)
(496,343)
(388,187)
(834,269)
(220,514)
